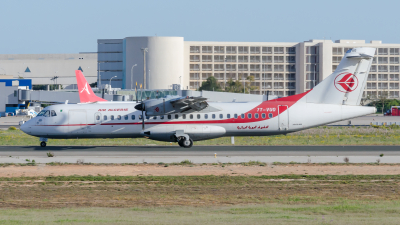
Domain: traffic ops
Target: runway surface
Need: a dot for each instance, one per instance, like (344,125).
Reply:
(119,151)
(200,154)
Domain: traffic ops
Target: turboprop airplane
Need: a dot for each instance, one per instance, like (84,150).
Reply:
(188,119)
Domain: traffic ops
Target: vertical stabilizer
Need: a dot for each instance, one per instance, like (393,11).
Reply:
(346,84)
(86,93)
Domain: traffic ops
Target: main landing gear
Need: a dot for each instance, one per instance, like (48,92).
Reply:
(183,139)
(185,143)
(43,142)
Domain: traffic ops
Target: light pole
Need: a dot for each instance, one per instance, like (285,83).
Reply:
(99,78)
(224,73)
(132,76)
(144,66)
(180,82)
(149,80)
(110,81)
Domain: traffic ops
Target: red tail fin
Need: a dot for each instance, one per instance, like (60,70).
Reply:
(85,91)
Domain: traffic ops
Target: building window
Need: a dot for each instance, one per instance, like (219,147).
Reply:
(312,68)
(231,67)
(206,49)
(278,68)
(382,77)
(336,59)
(231,49)
(290,85)
(194,58)
(219,76)
(219,49)
(266,50)
(374,60)
(266,85)
(290,68)
(267,67)
(194,49)
(194,67)
(394,77)
(394,69)
(254,59)
(382,68)
(195,76)
(254,50)
(371,85)
(266,76)
(231,58)
(278,76)
(206,58)
(243,50)
(382,86)
(218,67)
(206,67)
(382,60)
(394,86)
(218,58)
(243,67)
(311,76)
(337,51)
(291,59)
(204,76)
(382,51)
(243,59)
(310,84)
(312,59)
(394,51)
(372,69)
(194,85)
(278,85)
(254,67)
(371,77)
(394,60)
(278,59)
(267,59)
(312,50)
(278,50)
(291,76)
(291,50)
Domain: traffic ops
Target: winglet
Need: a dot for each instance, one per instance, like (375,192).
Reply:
(86,93)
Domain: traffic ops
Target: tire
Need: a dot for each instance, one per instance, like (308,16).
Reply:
(187,143)
(180,143)
(43,144)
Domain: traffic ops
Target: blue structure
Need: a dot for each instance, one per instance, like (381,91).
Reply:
(22,82)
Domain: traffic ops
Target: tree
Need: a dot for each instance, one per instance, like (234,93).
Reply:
(234,86)
(93,84)
(211,84)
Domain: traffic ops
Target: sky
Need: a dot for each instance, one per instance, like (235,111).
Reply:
(71,26)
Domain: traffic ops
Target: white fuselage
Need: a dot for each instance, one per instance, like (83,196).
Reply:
(121,120)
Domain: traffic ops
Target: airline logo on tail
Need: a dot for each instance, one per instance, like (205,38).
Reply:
(86,93)
(346,82)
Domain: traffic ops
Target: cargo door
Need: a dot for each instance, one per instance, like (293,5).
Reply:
(283,117)
(77,121)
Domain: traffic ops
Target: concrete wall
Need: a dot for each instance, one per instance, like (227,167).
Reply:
(45,66)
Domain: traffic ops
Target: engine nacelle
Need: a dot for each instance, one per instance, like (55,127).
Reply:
(165,106)
(195,132)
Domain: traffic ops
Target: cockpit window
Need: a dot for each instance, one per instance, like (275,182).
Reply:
(53,113)
(42,113)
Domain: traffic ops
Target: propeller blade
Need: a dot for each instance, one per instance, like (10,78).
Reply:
(142,118)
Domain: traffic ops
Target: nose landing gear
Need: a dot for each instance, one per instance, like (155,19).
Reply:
(43,142)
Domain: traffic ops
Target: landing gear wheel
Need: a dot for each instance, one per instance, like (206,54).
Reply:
(180,142)
(187,143)
(42,144)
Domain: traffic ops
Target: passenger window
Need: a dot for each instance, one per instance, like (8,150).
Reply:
(263,115)
(249,115)
(161,117)
(198,116)
(140,117)
(176,116)
(205,116)
(191,116)
(47,113)
(133,117)
(154,118)
(105,117)
(228,116)
(235,116)
(242,116)
(119,117)
(270,115)
(213,116)
(184,116)
(126,117)
(221,116)
(256,115)
(112,117)
(97,117)
(169,117)
(53,113)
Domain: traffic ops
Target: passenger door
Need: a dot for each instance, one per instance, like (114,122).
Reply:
(283,117)
(77,121)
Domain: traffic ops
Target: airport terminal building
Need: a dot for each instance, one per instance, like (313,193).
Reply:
(282,68)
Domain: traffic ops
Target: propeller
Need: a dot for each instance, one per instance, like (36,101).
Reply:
(141,107)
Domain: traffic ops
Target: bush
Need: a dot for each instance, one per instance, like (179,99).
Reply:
(12,128)
(381,155)
(346,159)
(50,154)
(166,165)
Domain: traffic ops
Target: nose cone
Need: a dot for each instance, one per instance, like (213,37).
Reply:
(25,127)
